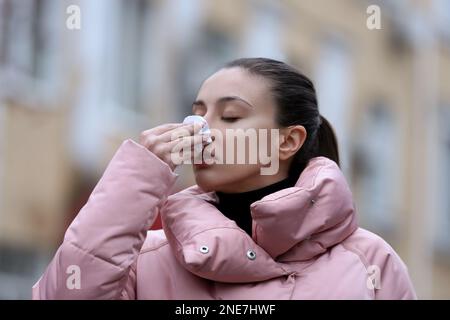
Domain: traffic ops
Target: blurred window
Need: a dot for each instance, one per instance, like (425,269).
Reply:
(203,57)
(442,236)
(127,52)
(264,31)
(26,44)
(2,159)
(19,270)
(376,164)
(333,84)
(442,16)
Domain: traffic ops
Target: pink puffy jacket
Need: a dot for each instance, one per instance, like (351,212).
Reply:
(306,243)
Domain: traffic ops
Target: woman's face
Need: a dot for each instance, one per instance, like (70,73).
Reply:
(234,99)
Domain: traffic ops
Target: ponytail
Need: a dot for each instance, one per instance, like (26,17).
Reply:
(327,142)
(323,143)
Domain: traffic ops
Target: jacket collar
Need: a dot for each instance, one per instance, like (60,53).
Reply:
(293,224)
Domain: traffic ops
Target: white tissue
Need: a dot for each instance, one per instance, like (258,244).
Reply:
(205,127)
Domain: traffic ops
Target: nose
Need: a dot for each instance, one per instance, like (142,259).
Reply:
(208,118)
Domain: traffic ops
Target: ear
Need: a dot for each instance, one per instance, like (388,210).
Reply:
(291,140)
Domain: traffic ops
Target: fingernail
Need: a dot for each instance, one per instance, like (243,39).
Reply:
(206,138)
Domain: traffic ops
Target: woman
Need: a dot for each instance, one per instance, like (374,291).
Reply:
(237,234)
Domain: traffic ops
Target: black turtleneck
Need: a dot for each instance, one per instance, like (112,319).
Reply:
(236,206)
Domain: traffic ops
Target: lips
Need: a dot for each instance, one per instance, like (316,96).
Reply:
(203,164)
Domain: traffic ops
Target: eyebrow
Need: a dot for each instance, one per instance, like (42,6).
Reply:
(222,100)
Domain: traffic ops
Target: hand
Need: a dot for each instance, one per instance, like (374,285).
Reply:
(163,139)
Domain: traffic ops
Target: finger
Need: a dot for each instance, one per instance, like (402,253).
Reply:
(163,128)
(178,133)
(187,142)
(187,149)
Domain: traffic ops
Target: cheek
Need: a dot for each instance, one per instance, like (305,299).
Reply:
(240,149)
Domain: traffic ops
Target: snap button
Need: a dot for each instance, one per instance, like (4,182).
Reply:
(204,249)
(251,254)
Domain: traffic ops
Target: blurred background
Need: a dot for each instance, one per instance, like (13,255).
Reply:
(69,97)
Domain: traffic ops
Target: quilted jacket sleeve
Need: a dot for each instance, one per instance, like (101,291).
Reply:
(97,257)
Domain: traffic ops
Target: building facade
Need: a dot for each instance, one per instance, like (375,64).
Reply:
(69,97)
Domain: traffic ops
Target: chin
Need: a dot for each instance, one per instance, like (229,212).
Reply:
(210,178)
(205,183)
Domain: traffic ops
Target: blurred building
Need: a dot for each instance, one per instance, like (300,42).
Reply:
(69,97)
